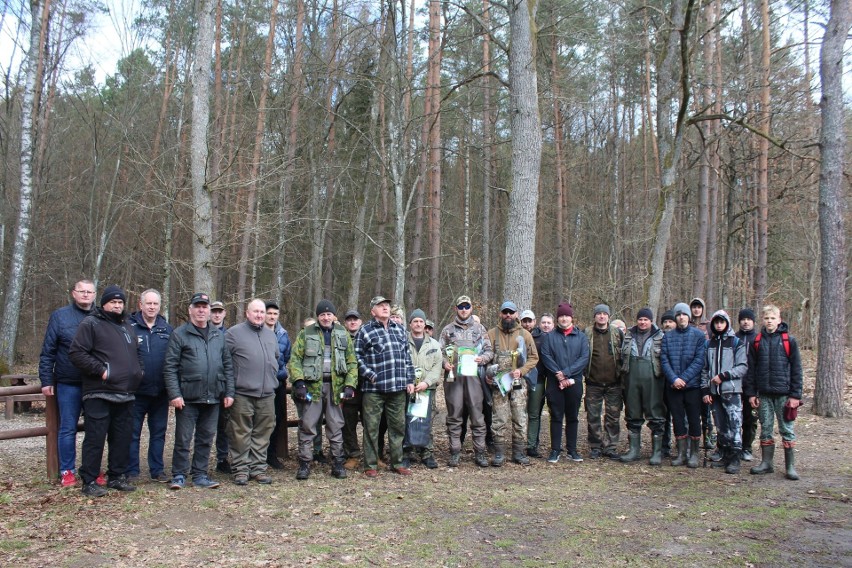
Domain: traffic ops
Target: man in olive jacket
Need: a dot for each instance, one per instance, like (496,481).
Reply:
(198,371)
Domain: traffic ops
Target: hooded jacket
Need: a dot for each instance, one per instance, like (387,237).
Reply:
(700,323)
(106,342)
(726,357)
(770,371)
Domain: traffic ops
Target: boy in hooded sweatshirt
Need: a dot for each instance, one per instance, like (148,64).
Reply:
(725,365)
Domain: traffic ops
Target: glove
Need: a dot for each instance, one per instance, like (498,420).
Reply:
(348,393)
(300,391)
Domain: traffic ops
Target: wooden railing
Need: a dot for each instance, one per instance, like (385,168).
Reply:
(23,392)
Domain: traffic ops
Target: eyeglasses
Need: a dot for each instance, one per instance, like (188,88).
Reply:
(87,292)
(507,312)
(463,306)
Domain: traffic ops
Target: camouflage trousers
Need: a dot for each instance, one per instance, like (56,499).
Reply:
(512,407)
(728,415)
(603,400)
(772,408)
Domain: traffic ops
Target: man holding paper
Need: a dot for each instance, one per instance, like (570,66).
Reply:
(465,346)
(516,358)
(427,360)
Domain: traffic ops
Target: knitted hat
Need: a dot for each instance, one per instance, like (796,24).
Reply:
(602,308)
(667,315)
(418,313)
(645,313)
(112,292)
(746,313)
(325,306)
(682,308)
(565,309)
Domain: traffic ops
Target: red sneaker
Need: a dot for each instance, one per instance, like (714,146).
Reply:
(101,480)
(68,479)
(371,473)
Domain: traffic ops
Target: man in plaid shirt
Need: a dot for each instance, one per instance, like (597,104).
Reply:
(384,363)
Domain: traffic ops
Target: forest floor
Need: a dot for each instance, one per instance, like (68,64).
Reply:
(592,513)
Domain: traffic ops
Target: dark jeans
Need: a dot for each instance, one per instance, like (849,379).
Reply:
(351,418)
(564,405)
(69,400)
(222,433)
(280,428)
(157,410)
(685,406)
(200,419)
(106,422)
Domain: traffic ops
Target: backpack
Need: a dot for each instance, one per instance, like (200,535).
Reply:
(785,339)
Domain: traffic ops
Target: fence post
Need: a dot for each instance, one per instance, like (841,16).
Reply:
(51,419)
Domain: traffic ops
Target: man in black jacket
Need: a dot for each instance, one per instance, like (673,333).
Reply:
(746,334)
(198,372)
(106,350)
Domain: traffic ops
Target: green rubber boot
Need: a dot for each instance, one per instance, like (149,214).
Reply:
(635,448)
(766,465)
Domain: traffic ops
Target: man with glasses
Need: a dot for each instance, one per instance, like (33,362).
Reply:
(465,345)
(60,378)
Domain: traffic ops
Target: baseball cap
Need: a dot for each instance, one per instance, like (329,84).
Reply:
(199,298)
(509,305)
(378,300)
(463,300)
(352,314)
(217,306)
(527,314)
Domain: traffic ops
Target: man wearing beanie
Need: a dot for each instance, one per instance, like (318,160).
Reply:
(667,321)
(461,338)
(107,352)
(746,334)
(385,364)
(324,371)
(603,385)
(682,358)
(515,353)
(427,361)
(640,359)
(565,354)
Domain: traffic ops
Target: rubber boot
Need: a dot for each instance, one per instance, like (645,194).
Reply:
(695,445)
(681,452)
(304,470)
(733,466)
(337,469)
(499,458)
(635,448)
(656,450)
(790,463)
(767,456)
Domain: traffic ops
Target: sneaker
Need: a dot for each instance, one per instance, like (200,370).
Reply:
(93,490)
(402,470)
(262,478)
(161,478)
(454,460)
(553,457)
(121,483)
(222,466)
(575,457)
(178,482)
(747,456)
(68,479)
(241,479)
(206,482)
(430,462)
(594,454)
(101,480)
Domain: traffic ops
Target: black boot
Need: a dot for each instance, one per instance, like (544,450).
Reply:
(790,463)
(767,457)
(681,452)
(499,458)
(656,450)
(635,448)
(733,466)
(337,469)
(724,458)
(304,470)
(695,445)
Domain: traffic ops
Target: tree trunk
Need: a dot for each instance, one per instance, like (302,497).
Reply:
(763,123)
(435,153)
(828,396)
(526,154)
(559,180)
(202,242)
(488,153)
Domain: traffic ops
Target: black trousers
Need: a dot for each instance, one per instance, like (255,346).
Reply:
(564,405)
(685,405)
(106,422)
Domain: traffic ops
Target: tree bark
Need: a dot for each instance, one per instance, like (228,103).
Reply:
(763,122)
(828,396)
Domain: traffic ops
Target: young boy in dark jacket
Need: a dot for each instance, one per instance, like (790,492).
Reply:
(725,365)
(773,384)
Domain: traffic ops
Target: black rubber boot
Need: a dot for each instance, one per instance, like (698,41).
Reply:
(695,445)
(733,466)
(767,457)
(635,448)
(656,450)
(304,470)
(337,469)
(499,458)
(790,463)
(681,452)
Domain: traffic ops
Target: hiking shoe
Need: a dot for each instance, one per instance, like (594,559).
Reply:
(352,463)
(553,457)
(241,479)
(595,454)
(430,462)
(178,482)
(371,473)
(121,483)
(93,490)
(575,456)
(304,470)
(68,479)
(402,470)
(481,459)
(262,478)
(534,453)
(337,469)
(101,480)
(222,466)
(206,482)
(161,478)
(520,459)
(454,460)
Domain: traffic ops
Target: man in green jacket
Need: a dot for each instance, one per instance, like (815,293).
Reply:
(428,362)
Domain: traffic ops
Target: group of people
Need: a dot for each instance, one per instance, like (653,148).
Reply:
(227,385)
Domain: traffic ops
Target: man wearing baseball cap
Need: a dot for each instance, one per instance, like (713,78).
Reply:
(603,385)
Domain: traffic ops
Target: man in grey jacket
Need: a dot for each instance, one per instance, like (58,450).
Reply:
(195,386)
(254,350)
